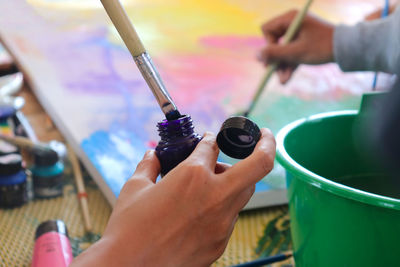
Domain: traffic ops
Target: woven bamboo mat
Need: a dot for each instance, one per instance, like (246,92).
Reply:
(17,226)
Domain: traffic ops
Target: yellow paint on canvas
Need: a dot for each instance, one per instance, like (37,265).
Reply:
(177,25)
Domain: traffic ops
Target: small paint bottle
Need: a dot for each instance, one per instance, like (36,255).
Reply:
(52,246)
(178,140)
(13,181)
(47,174)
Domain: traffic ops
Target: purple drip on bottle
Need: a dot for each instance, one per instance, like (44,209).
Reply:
(178,140)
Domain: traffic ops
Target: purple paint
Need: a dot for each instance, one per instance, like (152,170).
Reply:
(178,140)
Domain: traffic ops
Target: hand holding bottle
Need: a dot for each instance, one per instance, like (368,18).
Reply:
(187,217)
(313,44)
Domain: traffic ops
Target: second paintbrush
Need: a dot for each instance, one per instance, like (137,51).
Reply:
(290,33)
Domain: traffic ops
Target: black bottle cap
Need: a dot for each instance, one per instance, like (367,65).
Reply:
(238,137)
(45,156)
(10,164)
(51,226)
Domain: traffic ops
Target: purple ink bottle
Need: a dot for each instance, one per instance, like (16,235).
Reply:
(178,140)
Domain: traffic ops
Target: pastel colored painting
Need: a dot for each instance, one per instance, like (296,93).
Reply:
(205,52)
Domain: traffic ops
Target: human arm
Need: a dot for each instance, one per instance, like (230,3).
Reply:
(372,45)
(185,219)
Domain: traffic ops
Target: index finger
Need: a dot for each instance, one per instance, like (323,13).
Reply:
(253,168)
(276,27)
(205,153)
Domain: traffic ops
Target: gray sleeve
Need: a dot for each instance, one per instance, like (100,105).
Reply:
(372,45)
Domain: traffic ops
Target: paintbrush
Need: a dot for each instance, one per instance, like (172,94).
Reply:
(142,59)
(291,31)
(267,260)
(80,185)
(24,142)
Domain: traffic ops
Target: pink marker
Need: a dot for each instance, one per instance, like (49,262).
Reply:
(52,247)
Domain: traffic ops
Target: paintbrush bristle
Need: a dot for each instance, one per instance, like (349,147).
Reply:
(173,115)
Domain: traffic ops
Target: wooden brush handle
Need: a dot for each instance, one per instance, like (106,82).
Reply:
(80,185)
(124,26)
(290,33)
(296,23)
(23,142)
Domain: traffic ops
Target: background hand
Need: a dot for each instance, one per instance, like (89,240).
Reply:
(313,44)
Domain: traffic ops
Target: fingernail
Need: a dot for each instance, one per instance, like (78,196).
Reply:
(266,131)
(286,76)
(148,153)
(209,135)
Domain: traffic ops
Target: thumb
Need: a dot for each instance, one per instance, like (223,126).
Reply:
(278,53)
(148,168)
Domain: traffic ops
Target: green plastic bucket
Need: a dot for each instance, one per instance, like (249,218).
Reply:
(343,207)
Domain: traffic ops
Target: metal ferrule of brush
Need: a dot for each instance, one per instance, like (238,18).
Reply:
(153,79)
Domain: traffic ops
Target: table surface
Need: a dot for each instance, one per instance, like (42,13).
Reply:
(17,226)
